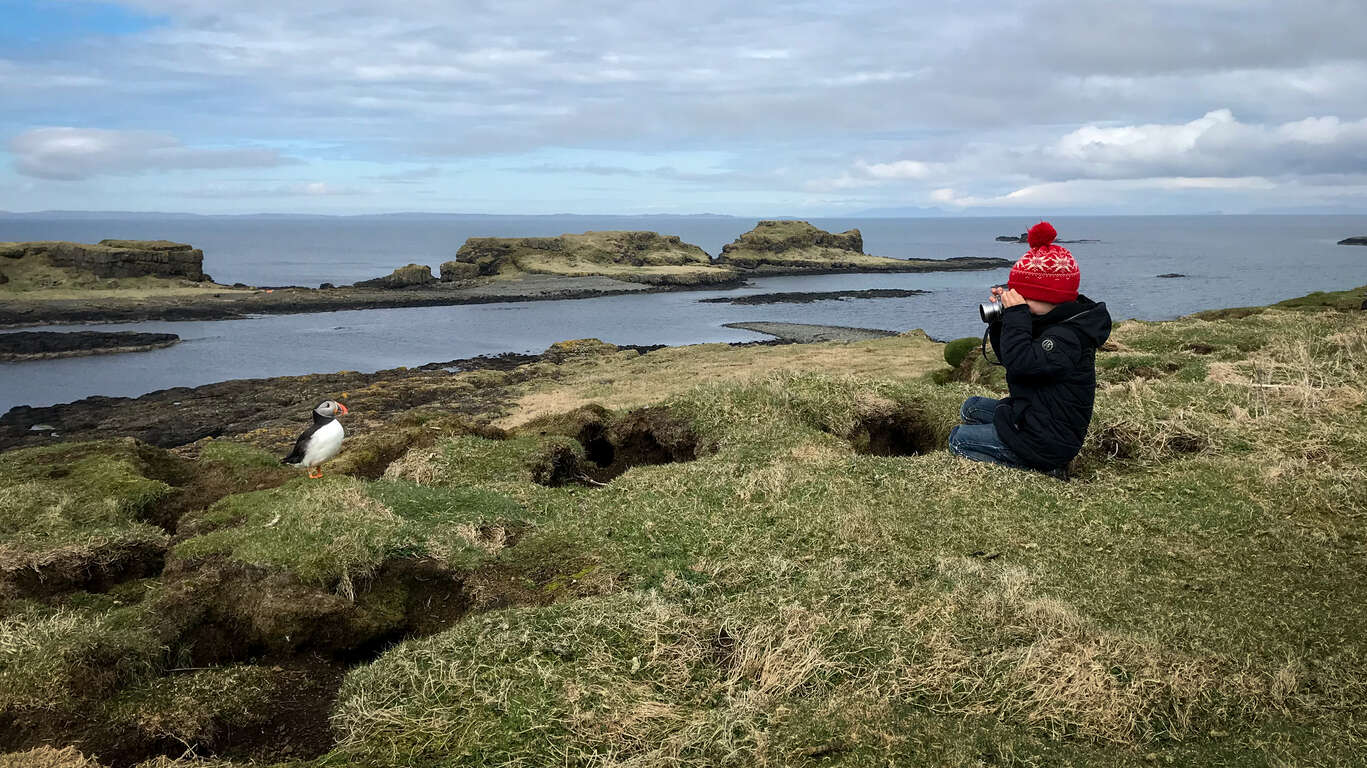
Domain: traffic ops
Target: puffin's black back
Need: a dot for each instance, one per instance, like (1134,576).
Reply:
(301,445)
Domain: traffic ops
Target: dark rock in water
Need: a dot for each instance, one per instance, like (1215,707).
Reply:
(326,287)
(1173,274)
(1358,240)
(807,298)
(1024,239)
(43,345)
(403,277)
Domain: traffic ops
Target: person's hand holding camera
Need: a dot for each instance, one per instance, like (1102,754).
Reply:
(1007,297)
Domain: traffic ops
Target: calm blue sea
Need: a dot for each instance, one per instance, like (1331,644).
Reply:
(1228,260)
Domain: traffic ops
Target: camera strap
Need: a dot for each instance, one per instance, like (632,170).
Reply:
(984,349)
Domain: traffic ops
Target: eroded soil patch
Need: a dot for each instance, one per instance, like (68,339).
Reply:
(299,639)
(902,431)
(606,445)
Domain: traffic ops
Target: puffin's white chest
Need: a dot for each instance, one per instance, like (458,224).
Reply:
(323,444)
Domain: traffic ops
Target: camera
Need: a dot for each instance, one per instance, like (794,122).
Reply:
(990,312)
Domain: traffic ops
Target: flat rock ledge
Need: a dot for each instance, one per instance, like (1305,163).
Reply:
(48,345)
(803,333)
(1356,240)
(807,298)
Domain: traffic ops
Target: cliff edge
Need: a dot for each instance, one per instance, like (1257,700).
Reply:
(60,264)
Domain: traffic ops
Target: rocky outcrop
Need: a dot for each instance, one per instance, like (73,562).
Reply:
(403,277)
(452,271)
(115,258)
(1358,240)
(43,345)
(797,247)
(790,243)
(1025,240)
(645,257)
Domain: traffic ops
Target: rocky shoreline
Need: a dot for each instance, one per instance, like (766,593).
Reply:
(48,345)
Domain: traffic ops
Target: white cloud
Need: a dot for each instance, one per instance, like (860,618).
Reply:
(1217,144)
(79,153)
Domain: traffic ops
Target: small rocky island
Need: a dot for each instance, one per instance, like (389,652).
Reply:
(637,257)
(1356,240)
(47,345)
(1024,239)
(130,281)
(798,248)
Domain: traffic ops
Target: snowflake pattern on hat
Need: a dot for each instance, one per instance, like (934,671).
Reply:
(1046,272)
(1050,258)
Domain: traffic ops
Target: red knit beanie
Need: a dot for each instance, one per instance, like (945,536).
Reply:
(1046,272)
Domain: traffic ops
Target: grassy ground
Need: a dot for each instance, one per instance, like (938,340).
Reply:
(785,567)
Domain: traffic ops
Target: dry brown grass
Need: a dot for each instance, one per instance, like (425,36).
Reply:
(995,647)
(47,757)
(622,383)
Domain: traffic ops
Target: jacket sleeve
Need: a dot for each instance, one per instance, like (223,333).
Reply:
(1053,354)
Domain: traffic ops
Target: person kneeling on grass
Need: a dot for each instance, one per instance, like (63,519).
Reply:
(1047,338)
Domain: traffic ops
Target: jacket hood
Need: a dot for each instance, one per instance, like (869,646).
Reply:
(1089,318)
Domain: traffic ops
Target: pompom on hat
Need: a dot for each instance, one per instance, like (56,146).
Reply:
(1046,272)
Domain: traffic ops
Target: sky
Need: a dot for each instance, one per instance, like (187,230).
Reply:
(989,107)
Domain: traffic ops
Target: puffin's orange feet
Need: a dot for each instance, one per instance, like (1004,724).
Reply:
(315,473)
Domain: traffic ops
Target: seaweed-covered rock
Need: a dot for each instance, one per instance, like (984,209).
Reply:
(562,351)
(403,277)
(39,345)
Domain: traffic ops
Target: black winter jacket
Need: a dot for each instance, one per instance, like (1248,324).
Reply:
(1050,364)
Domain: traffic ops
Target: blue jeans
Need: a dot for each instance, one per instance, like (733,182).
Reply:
(977,439)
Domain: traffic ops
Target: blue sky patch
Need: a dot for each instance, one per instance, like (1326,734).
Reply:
(47,22)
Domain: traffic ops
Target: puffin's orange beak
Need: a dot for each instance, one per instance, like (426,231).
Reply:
(343,409)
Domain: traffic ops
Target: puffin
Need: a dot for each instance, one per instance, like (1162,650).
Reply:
(319,442)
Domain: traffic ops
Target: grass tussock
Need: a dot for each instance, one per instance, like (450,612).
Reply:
(71,514)
(337,530)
